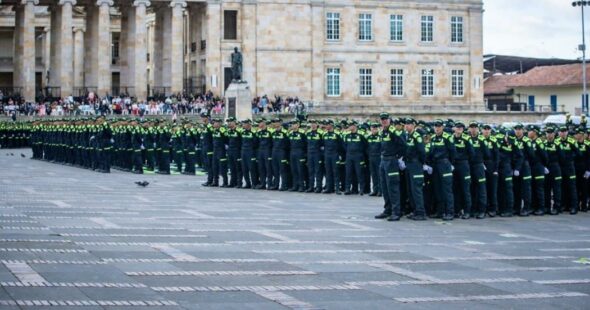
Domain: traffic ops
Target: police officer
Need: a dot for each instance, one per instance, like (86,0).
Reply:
(570,151)
(164,137)
(189,142)
(523,174)
(507,158)
(332,143)
(355,145)
(234,158)
(297,150)
(264,155)
(374,155)
(137,145)
(538,162)
(553,180)
(207,148)
(491,162)
(462,172)
(248,154)
(582,166)
(393,148)
(440,157)
(219,163)
(415,158)
(478,174)
(280,161)
(314,157)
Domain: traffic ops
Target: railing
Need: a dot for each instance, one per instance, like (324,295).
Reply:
(159,91)
(11,91)
(84,91)
(122,91)
(48,92)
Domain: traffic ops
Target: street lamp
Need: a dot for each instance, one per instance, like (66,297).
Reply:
(582,48)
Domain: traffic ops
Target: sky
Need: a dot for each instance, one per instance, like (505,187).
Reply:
(539,28)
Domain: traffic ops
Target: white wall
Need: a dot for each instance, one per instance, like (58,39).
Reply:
(571,97)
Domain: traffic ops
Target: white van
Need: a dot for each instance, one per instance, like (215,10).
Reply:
(560,119)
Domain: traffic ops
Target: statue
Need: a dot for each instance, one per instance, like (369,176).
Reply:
(236,65)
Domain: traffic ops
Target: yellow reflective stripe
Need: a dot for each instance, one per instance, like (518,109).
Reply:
(418,177)
(540,177)
(509,179)
(468,178)
(284,161)
(527,178)
(209,153)
(253,158)
(482,180)
(572,177)
(557,178)
(447,175)
(223,159)
(391,174)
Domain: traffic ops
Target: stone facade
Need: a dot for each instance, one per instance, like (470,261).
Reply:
(289,47)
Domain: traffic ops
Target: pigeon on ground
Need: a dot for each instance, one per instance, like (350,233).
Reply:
(22,155)
(142,183)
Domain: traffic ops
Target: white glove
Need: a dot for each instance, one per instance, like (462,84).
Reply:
(452,168)
(142,147)
(587,175)
(112,140)
(485,168)
(516,173)
(496,173)
(401,164)
(427,169)
(545,170)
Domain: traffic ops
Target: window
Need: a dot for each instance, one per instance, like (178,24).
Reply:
(230,25)
(427,82)
(457,88)
(427,28)
(365,27)
(366,82)
(332,26)
(396,28)
(397,82)
(457,29)
(333,82)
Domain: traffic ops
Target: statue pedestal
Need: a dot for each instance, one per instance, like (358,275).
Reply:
(238,101)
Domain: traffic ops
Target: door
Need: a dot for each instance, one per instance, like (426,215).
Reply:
(553,103)
(227,77)
(532,103)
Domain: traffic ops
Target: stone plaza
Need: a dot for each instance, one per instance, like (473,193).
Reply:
(75,238)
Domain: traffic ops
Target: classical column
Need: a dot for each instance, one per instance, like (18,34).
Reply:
(213,49)
(27,59)
(18,46)
(249,22)
(54,58)
(46,52)
(104,47)
(91,37)
(65,47)
(124,48)
(140,48)
(78,57)
(176,59)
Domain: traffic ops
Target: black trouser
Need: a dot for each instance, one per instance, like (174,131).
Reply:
(355,166)
(538,188)
(280,165)
(582,187)
(164,166)
(235,167)
(137,161)
(374,162)
(478,189)
(443,188)
(553,183)
(297,162)
(415,181)
(189,157)
(331,168)
(264,161)
(313,171)
(522,190)
(249,170)
(491,187)
(569,193)
(219,167)
(505,189)
(390,181)
(462,186)
(178,158)
(208,163)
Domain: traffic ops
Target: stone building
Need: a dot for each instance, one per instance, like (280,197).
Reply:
(332,52)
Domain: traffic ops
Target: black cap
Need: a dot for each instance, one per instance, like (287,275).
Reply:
(204,114)
(459,125)
(473,124)
(563,128)
(276,120)
(230,119)
(247,121)
(549,129)
(410,120)
(487,126)
(438,122)
(580,130)
(375,125)
(519,126)
(384,115)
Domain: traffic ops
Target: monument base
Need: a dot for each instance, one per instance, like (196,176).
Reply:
(238,101)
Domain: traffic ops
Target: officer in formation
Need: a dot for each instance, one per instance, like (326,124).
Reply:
(439,169)
(15,134)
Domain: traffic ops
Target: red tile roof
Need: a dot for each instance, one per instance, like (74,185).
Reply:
(564,75)
(498,84)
